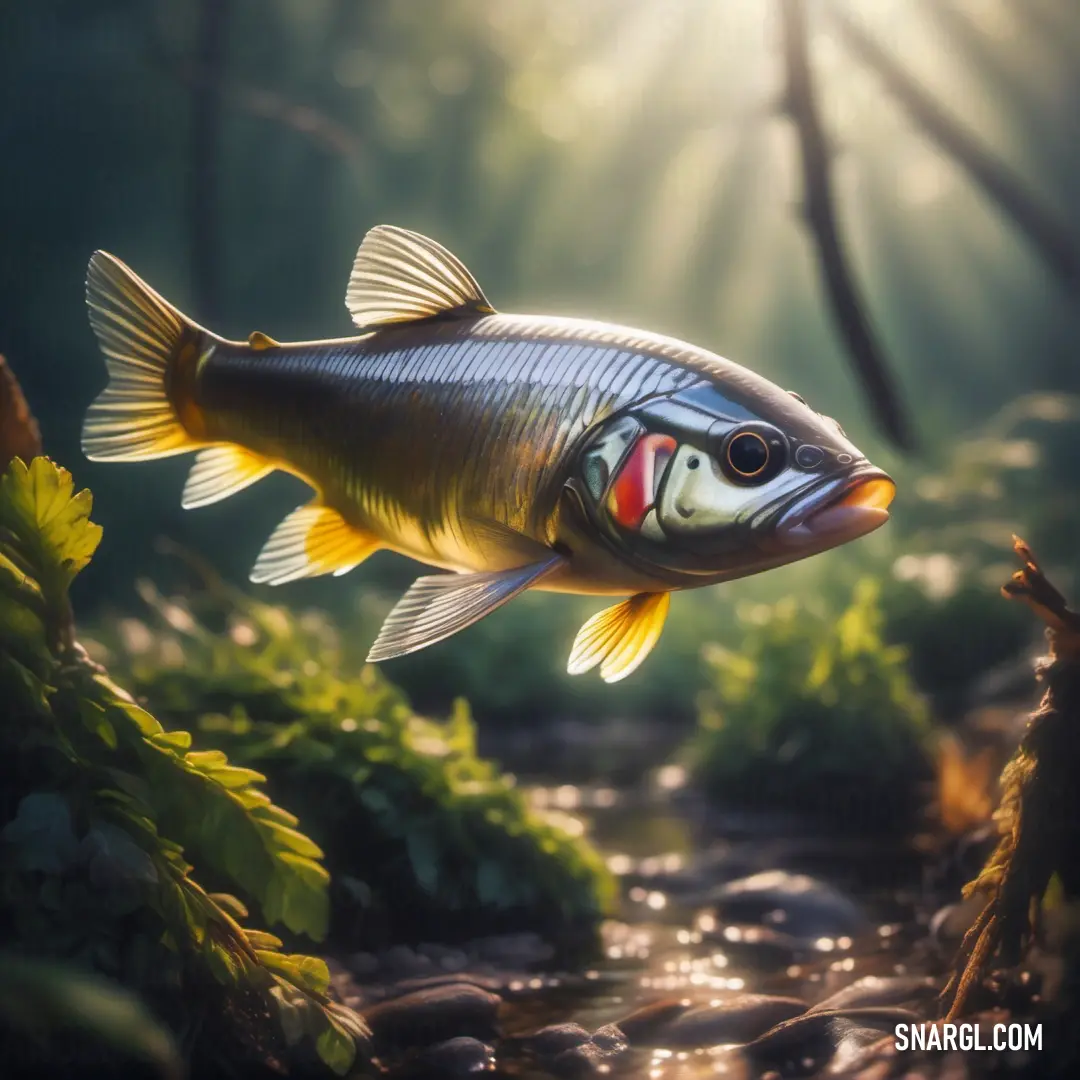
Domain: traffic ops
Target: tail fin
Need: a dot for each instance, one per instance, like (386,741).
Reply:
(151,351)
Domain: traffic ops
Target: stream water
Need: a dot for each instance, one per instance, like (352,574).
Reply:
(714,910)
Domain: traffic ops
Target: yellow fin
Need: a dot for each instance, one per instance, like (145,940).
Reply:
(147,343)
(222,471)
(620,637)
(259,341)
(313,540)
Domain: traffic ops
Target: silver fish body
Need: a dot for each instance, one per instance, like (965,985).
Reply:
(516,451)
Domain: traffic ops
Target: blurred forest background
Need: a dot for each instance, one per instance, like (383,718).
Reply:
(631,160)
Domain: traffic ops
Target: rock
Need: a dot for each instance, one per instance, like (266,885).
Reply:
(427,982)
(759,947)
(795,904)
(816,1036)
(589,1058)
(643,1023)
(679,1025)
(448,1060)
(874,990)
(433,1015)
(552,1040)
(611,1038)
(569,1050)
(850,1040)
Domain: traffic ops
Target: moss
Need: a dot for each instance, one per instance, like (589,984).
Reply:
(815,715)
(422,837)
(101,810)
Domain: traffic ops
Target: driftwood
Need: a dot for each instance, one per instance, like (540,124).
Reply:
(1039,817)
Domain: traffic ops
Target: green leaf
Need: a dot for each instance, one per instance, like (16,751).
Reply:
(314,972)
(336,1047)
(230,905)
(222,963)
(51,524)
(259,939)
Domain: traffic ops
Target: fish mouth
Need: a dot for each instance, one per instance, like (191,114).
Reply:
(858,505)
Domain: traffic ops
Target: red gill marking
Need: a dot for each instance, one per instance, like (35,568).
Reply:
(633,493)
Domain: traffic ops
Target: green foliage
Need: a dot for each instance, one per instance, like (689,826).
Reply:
(41,1002)
(813,714)
(101,807)
(418,830)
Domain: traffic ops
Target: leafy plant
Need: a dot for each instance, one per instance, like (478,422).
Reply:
(42,1003)
(813,714)
(418,830)
(102,806)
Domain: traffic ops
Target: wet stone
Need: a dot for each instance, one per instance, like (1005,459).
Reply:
(460,1057)
(552,1040)
(795,904)
(610,1038)
(875,990)
(814,1038)
(428,982)
(851,1039)
(642,1025)
(433,1015)
(735,1020)
(587,1059)
(758,947)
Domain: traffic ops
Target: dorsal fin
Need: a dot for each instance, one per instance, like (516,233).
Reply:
(400,276)
(259,341)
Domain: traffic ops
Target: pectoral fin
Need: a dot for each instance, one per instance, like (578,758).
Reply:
(440,605)
(313,540)
(222,471)
(620,637)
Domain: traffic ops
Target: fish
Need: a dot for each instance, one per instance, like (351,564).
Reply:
(512,452)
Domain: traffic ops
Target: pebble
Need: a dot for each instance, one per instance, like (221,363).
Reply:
(684,1025)
(581,1060)
(448,1060)
(433,1015)
(552,1040)
(795,904)
(611,1038)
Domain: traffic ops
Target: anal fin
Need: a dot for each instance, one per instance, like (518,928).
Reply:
(313,540)
(222,471)
(442,604)
(620,637)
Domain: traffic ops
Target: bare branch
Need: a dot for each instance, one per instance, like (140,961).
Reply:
(1047,234)
(848,308)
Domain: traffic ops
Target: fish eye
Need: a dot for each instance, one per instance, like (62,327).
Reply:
(748,454)
(753,455)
